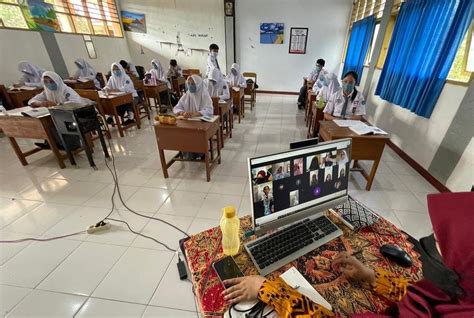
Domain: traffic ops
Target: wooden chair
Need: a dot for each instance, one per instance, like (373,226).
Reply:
(5,98)
(93,95)
(250,89)
(309,101)
(141,71)
(317,114)
(143,106)
(100,78)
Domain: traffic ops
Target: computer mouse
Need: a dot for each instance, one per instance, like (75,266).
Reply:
(396,254)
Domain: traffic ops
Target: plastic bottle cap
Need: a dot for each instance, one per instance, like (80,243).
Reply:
(229,211)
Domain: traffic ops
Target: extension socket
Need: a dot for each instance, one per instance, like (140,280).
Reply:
(101,226)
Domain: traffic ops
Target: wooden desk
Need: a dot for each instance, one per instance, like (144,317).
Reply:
(238,101)
(189,136)
(74,84)
(20,97)
(178,85)
(31,128)
(110,104)
(153,91)
(346,298)
(315,116)
(310,98)
(366,147)
(250,90)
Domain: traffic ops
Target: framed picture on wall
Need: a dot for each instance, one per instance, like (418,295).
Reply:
(90,46)
(229,8)
(298,40)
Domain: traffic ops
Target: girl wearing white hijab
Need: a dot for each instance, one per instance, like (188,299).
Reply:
(31,74)
(85,71)
(158,72)
(55,92)
(330,85)
(235,78)
(119,81)
(196,101)
(216,85)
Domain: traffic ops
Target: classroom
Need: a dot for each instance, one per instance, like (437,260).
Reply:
(236,158)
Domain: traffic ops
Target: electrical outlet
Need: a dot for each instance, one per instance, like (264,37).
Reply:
(99,227)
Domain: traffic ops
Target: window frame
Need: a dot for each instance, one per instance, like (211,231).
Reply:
(67,12)
(464,70)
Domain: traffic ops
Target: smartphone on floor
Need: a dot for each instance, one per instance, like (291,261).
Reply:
(227,268)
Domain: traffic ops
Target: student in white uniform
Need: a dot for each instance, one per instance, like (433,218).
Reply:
(346,103)
(85,71)
(174,70)
(119,81)
(330,86)
(216,85)
(130,68)
(212,58)
(235,78)
(31,74)
(314,77)
(56,93)
(158,72)
(196,101)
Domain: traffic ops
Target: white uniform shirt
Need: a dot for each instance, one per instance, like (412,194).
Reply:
(219,89)
(336,103)
(211,63)
(314,75)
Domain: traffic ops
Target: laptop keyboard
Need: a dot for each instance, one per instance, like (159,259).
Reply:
(272,251)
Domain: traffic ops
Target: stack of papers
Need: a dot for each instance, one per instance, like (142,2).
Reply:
(23,88)
(209,119)
(347,123)
(236,89)
(359,127)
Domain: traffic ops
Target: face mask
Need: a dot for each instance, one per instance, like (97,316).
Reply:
(214,53)
(155,66)
(118,72)
(51,86)
(435,271)
(318,68)
(234,72)
(348,87)
(192,88)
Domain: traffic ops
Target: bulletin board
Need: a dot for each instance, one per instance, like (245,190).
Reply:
(298,40)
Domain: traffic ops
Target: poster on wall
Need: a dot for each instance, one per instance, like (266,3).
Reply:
(40,16)
(133,22)
(298,40)
(272,33)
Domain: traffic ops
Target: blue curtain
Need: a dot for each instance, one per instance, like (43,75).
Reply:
(423,47)
(359,41)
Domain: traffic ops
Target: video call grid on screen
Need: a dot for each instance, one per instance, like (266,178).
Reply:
(284,183)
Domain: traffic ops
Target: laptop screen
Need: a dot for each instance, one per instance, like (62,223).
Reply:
(285,183)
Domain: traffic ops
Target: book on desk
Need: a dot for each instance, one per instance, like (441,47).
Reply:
(359,127)
(28,111)
(23,88)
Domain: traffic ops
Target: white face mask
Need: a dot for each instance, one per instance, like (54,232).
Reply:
(214,53)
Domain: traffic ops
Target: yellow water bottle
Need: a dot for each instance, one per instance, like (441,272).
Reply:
(230,227)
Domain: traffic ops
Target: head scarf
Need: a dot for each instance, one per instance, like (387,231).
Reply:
(159,73)
(235,79)
(118,81)
(58,96)
(216,75)
(197,101)
(86,69)
(32,70)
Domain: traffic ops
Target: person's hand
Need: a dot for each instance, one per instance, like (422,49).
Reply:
(186,115)
(353,269)
(242,288)
(48,103)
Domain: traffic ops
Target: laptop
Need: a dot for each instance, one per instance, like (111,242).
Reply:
(290,192)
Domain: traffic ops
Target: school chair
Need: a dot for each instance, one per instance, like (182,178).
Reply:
(143,106)
(5,98)
(316,115)
(100,77)
(141,71)
(93,95)
(250,89)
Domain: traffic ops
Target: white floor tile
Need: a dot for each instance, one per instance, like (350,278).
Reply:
(10,296)
(8,250)
(415,224)
(147,200)
(101,308)
(135,276)
(84,269)
(214,203)
(228,185)
(103,198)
(11,209)
(47,304)
(155,312)
(182,203)
(403,200)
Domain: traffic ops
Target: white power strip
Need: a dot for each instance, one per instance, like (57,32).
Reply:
(99,227)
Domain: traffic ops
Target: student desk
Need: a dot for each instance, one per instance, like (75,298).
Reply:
(153,91)
(366,147)
(178,84)
(310,98)
(20,97)
(110,104)
(345,297)
(315,116)
(189,136)
(74,84)
(238,101)
(221,108)
(32,128)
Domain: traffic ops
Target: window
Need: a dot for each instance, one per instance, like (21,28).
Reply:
(94,17)
(463,64)
(372,45)
(386,42)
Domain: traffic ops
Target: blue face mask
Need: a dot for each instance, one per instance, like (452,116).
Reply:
(155,66)
(51,86)
(192,88)
(318,68)
(348,87)
(118,72)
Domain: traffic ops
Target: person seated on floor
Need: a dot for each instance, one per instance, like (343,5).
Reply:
(330,85)
(346,103)
(446,290)
(56,93)
(196,101)
(216,85)
(119,81)
(31,75)
(174,70)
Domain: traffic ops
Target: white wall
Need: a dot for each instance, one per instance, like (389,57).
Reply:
(164,19)
(28,45)
(277,70)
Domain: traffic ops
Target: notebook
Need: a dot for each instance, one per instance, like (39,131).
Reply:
(363,129)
